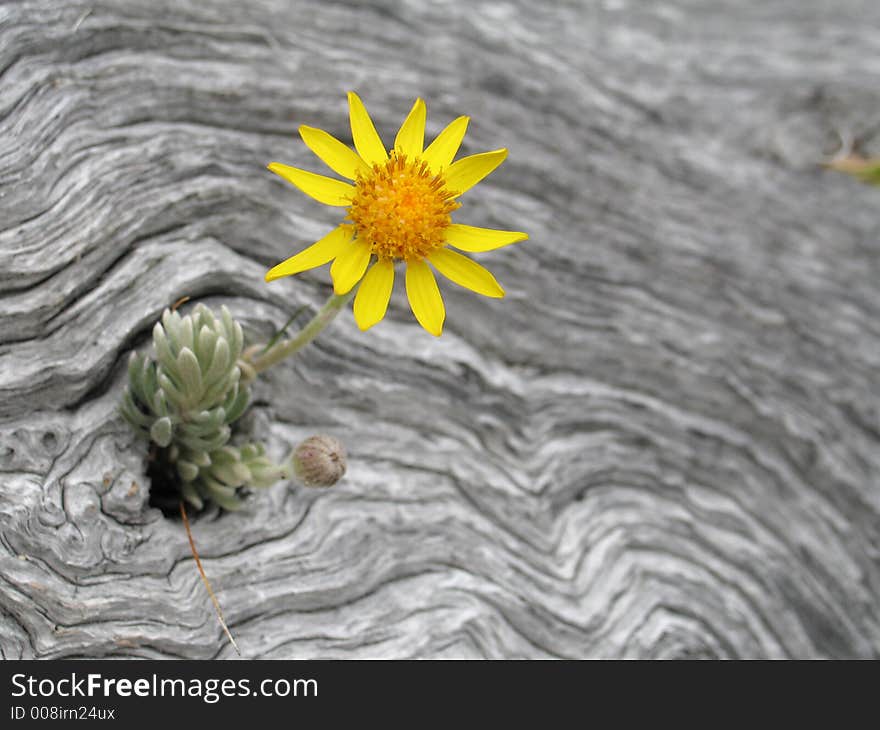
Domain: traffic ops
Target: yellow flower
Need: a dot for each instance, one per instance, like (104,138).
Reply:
(398,209)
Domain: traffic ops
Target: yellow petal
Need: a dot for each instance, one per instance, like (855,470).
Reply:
(441,151)
(366,138)
(410,139)
(317,254)
(350,265)
(473,239)
(323,189)
(337,156)
(465,272)
(424,297)
(373,294)
(463,174)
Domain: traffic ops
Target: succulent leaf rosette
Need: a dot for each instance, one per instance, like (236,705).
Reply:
(186,398)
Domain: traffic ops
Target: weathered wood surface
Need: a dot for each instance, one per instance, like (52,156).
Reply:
(665,442)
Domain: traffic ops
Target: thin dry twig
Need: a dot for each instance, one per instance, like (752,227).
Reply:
(205,580)
(179,302)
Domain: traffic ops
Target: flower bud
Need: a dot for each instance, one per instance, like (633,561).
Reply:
(319,461)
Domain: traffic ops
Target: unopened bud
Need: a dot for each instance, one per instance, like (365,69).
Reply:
(319,461)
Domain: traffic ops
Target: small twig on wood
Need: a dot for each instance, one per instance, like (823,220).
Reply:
(205,580)
(179,302)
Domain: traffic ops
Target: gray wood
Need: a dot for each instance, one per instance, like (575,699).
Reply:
(662,443)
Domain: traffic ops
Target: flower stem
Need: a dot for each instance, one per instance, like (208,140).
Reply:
(282,350)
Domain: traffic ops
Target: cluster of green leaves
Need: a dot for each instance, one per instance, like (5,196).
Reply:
(186,396)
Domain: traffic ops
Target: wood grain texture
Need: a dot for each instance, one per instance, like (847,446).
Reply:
(665,440)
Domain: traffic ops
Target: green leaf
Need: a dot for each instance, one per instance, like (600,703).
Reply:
(199,457)
(162,431)
(150,384)
(205,343)
(250,451)
(203,317)
(233,333)
(174,394)
(205,444)
(188,490)
(163,347)
(225,496)
(186,336)
(220,363)
(225,455)
(190,374)
(136,375)
(171,323)
(239,403)
(134,415)
(187,470)
(160,403)
(201,428)
(217,392)
(231,475)
(264,473)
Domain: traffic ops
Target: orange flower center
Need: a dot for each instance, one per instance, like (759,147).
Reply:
(401,208)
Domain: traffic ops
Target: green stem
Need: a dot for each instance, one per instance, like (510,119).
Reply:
(285,349)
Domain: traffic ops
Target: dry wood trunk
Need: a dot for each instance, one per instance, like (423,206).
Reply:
(665,441)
